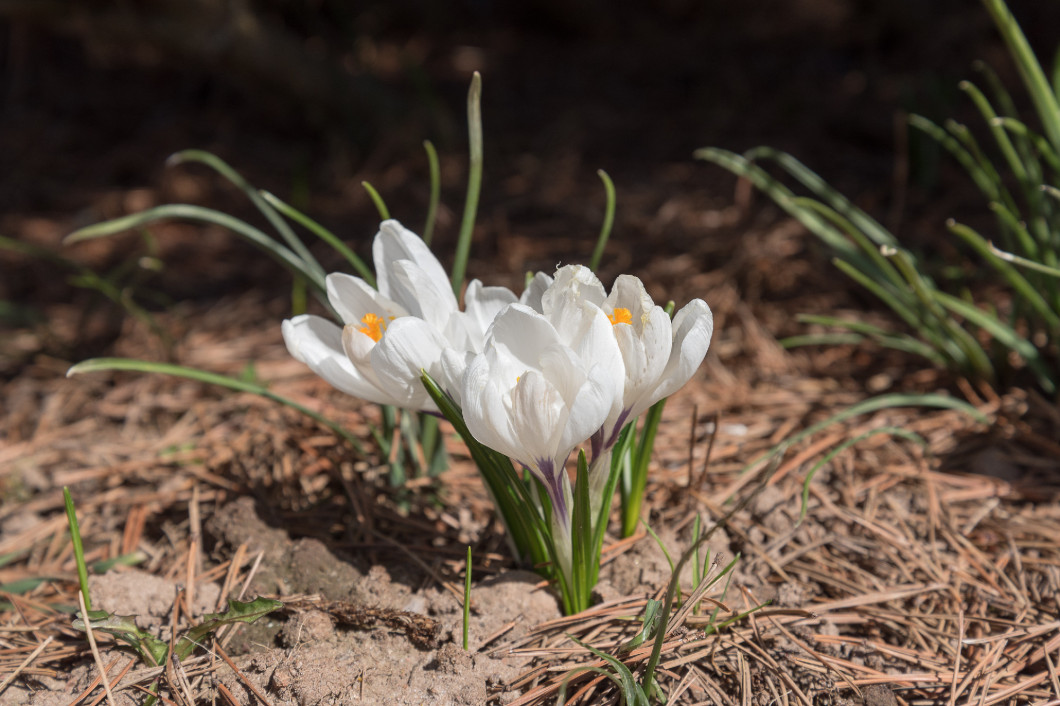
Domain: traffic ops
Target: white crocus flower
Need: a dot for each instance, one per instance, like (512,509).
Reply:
(534,398)
(659,355)
(412,322)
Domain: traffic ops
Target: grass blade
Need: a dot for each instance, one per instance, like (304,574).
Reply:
(859,329)
(324,234)
(201,215)
(621,676)
(609,221)
(1014,160)
(822,190)
(474,182)
(1024,262)
(1010,225)
(639,474)
(960,344)
(85,278)
(986,169)
(952,145)
(1003,334)
(671,589)
(782,195)
(436,191)
(885,270)
(582,542)
(380,205)
(1045,101)
(1017,281)
(146,366)
(520,512)
(900,301)
(1040,144)
(79,548)
(274,219)
(467,597)
(821,339)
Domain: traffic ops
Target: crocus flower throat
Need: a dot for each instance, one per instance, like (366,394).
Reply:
(621,316)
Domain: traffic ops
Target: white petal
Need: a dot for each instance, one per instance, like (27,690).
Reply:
(485,413)
(461,333)
(564,370)
(408,347)
(572,317)
(311,338)
(531,296)
(656,335)
(645,356)
(584,327)
(592,405)
(318,343)
(540,413)
(450,375)
(693,327)
(524,332)
(421,294)
(598,345)
(651,325)
(532,397)
(483,304)
(394,242)
(358,345)
(352,298)
(577,281)
(628,292)
(635,362)
(505,365)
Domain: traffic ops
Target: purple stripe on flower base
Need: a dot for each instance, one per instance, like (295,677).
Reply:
(617,429)
(596,443)
(553,483)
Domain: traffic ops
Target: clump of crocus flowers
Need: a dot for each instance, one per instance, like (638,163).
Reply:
(526,379)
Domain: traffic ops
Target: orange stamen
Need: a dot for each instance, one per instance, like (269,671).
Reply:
(621,316)
(373,326)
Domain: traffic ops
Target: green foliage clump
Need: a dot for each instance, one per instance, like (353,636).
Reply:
(1019,177)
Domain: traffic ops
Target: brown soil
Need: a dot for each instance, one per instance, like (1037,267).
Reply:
(918,575)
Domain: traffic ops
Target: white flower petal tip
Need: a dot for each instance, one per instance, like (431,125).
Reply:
(397,248)
(693,327)
(318,343)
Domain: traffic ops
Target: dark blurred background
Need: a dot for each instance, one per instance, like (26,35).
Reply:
(310,98)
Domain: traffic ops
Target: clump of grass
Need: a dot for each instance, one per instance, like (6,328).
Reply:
(1019,178)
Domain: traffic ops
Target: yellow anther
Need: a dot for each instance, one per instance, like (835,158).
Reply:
(373,326)
(621,316)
